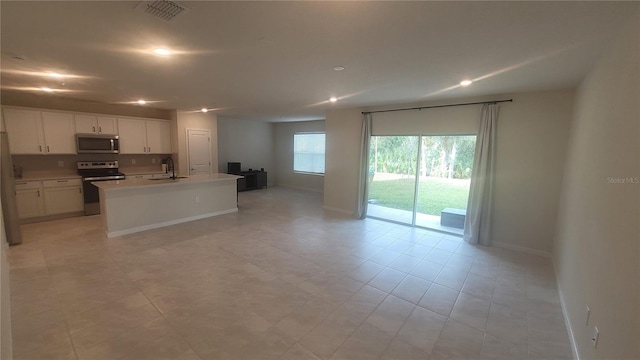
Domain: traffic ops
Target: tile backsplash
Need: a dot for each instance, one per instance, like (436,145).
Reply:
(67,163)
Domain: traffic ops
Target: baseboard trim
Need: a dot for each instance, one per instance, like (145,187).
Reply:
(168,223)
(565,314)
(51,217)
(342,211)
(504,245)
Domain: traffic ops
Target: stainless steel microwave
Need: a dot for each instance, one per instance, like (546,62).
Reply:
(97,144)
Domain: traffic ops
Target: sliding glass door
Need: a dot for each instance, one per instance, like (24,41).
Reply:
(421,180)
(392,174)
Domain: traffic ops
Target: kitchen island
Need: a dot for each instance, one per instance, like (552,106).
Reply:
(134,205)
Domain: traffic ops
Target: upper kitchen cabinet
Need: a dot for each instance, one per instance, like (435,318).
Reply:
(59,133)
(36,132)
(158,137)
(96,124)
(140,136)
(24,128)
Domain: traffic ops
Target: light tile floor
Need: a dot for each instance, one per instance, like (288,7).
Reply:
(281,279)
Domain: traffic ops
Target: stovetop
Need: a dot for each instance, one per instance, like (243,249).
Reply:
(98,168)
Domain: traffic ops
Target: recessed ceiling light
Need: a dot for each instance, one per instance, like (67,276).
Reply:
(161,51)
(141,102)
(204,109)
(333,99)
(46,89)
(465,82)
(55,75)
(338,68)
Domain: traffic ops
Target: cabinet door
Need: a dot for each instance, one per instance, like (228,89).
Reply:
(107,125)
(133,136)
(158,137)
(85,124)
(24,128)
(30,203)
(64,199)
(59,133)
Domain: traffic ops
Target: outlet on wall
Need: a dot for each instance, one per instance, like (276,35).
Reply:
(594,337)
(153,161)
(60,163)
(197,199)
(133,161)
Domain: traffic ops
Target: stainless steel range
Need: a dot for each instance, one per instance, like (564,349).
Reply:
(96,171)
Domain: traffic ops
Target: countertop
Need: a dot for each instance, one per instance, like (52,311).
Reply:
(133,183)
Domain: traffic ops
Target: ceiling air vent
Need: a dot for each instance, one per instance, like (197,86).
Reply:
(162,9)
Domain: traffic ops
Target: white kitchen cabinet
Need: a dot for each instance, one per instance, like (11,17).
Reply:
(30,199)
(96,124)
(158,137)
(63,196)
(139,136)
(37,132)
(24,127)
(59,133)
(133,136)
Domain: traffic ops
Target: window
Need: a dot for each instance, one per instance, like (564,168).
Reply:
(308,153)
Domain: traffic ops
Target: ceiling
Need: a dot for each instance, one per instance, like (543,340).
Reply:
(273,61)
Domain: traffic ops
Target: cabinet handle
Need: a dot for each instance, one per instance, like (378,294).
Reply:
(80,190)
(149,148)
(48,149)
(61,181)
(94,129)
(38,193)
(40,147)
(99,128)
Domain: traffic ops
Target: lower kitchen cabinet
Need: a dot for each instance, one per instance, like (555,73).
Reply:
(63,196)
(30,199)
(48,197)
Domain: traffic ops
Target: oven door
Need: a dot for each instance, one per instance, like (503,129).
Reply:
(92,193)
(91,197)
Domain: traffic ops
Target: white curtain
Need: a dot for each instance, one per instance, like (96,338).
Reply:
(477,224)
(363,179)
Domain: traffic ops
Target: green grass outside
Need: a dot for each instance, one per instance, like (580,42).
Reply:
(434,194)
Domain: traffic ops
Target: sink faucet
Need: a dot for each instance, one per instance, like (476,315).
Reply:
(172,167)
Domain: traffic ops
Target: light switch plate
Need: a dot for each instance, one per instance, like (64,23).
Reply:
(60,163)
(133,161)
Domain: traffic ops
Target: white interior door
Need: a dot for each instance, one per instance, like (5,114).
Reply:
(199,150)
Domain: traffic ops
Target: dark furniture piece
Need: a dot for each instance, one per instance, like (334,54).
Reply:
(453,217)
(252,179)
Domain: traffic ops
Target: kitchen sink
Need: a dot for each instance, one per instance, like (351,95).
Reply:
(177,177)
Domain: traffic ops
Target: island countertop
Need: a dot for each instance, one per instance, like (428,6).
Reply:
(133,183)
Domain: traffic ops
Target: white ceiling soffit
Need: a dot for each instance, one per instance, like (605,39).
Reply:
(163,9)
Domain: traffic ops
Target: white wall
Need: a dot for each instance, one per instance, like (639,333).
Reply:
(283,133)
(597,249)
(193,120)
(342,156)
(247,142)
(532,140)
(532,133)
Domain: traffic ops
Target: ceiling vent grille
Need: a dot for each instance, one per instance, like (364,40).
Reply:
(163,9)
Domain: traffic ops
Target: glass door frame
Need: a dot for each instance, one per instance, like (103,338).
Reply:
(417,184)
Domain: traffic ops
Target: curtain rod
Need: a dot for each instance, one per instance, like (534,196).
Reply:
(438,106)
